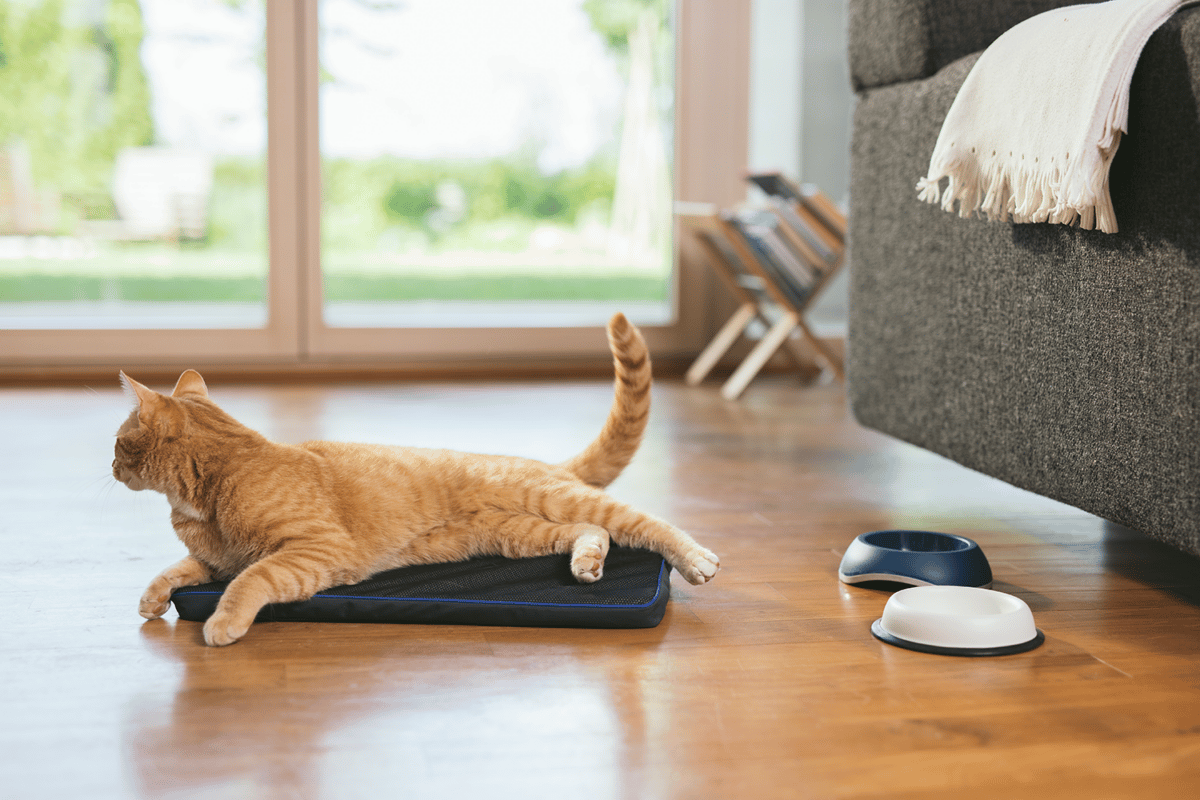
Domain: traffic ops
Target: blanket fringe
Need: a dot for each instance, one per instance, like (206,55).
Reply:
(1065,193)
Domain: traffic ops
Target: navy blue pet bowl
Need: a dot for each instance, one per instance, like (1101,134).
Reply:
(918,558)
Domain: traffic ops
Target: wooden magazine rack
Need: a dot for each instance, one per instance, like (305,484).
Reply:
(776,261)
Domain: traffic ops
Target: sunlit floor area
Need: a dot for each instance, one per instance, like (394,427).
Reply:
(764,683)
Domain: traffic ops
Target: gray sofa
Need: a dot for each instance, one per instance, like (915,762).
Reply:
(1062,361)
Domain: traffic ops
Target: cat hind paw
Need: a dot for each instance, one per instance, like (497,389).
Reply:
(588,567)
(700,567)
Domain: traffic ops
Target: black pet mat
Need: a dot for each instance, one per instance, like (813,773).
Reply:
(528,592)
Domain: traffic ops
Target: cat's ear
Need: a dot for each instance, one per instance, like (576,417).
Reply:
(190,382)
(147,399)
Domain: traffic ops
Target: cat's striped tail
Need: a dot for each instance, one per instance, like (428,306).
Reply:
(602,461)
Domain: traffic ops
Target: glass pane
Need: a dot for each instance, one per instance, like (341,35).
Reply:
(496,163)
(132,164)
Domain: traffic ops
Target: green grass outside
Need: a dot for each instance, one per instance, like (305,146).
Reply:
(338,288)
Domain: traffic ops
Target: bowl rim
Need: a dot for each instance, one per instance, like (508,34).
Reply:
(862,553)
(970,544)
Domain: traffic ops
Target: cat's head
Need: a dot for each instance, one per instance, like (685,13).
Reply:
(155,439)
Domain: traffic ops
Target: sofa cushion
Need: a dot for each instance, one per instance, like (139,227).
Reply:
(903,40)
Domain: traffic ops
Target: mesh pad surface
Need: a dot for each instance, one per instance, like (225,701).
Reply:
(526,592)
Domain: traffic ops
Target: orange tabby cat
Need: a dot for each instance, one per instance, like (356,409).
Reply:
(282,522)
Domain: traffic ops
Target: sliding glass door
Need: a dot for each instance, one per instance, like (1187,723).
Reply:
(290,182)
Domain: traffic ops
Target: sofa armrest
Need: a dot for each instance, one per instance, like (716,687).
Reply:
(903,40)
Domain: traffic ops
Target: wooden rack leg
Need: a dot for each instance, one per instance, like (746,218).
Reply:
(762,352)
(721,343)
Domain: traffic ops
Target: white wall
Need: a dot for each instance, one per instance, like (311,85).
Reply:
(800,107)
(776,85)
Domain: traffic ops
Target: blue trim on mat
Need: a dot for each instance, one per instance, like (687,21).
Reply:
(657,591)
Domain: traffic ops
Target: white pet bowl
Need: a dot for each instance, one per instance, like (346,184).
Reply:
(959,621)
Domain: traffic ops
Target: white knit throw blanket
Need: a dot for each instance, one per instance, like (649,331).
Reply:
(1035,126)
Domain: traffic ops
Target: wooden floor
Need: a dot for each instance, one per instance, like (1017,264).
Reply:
(765,683)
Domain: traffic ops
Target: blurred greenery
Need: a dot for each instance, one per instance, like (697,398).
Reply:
(507,286)
(76,288)
(364,199)
(74,92)
(615,19)
(238,207)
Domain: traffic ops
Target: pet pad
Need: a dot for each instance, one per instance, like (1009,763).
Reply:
(528,592)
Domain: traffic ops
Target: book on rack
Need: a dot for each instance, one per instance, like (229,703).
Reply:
(808,212)
(804,236)
(806,195)
(760,230)
(747,280)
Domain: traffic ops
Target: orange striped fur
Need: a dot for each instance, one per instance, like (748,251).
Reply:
(281,522)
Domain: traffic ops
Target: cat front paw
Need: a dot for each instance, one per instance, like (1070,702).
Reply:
(700,567)
(222,629)
(154,603)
